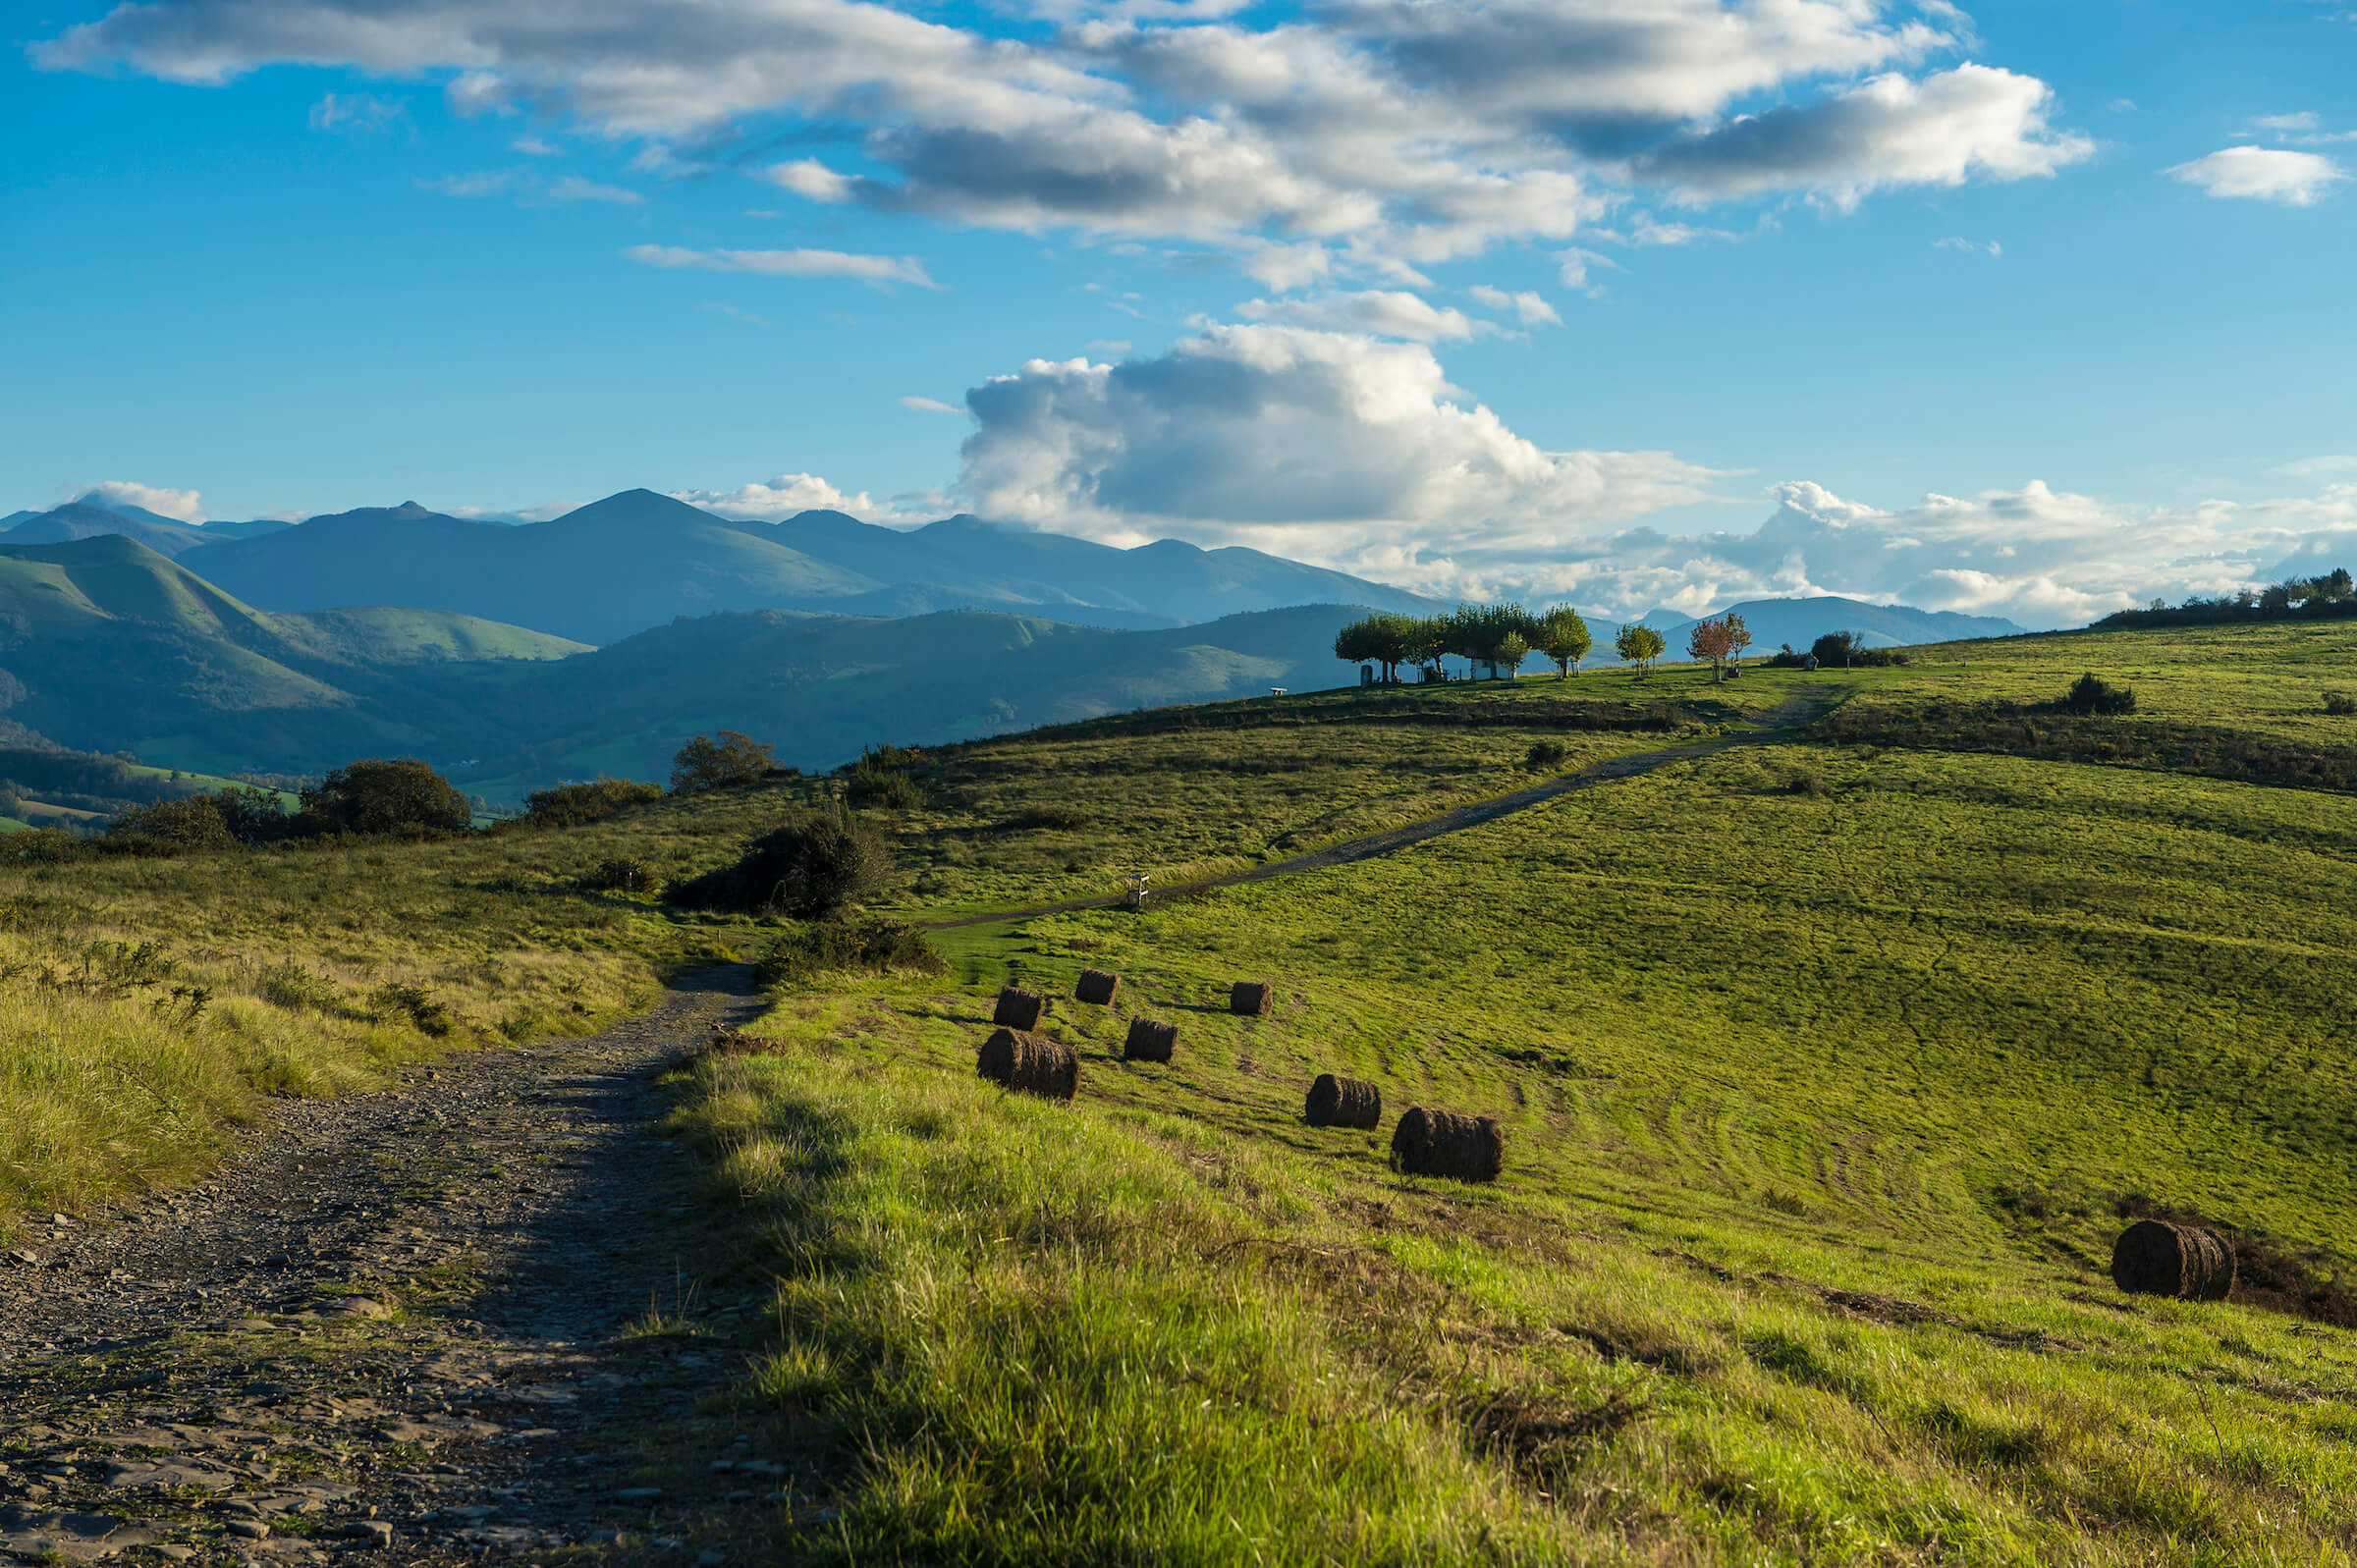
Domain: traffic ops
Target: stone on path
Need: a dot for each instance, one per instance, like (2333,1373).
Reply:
(74,1538)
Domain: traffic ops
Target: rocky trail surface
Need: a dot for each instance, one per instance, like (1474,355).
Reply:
(485,1312)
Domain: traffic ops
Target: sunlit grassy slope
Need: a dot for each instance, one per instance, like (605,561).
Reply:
(1828,1071)
(1828,1074)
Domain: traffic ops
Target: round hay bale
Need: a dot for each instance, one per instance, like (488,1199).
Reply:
(1149,1041)
(1018,1010)
(1343,1102)
(1032,1065)
(2160,1257)
(1097,987)
(1447,1143)
(1252,998)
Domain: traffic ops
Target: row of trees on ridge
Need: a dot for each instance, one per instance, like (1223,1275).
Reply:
(1502,636)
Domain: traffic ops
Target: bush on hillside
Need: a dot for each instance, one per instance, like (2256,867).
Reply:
(621,873)
(577,806)
(809,868)
(226,819)
(376,796)
(170,827)
(725,762)
(880,778)
(2092,694)
(1545,754)
(874,946)
(2342,703)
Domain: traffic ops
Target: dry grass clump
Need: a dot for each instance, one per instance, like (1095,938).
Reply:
(1098,987)
(1449,1143)
(1149,1041)
(1335,1101)
(1252,998)
(1032,1065)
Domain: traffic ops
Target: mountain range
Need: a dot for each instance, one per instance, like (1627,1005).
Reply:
(518,654)
(108,646)
(636,560)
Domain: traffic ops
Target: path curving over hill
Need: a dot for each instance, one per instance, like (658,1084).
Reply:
(1775,724)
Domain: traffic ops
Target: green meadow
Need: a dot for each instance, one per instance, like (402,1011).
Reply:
(1829,1068)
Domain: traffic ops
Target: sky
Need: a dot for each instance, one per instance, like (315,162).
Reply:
(2029,311)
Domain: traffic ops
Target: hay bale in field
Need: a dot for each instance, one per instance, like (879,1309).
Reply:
(1252,998)
(1032,1063)
(1447,1143)
(1343,1102)
(1149,1041)
(1018,1010)
(2161,1258)
(1097,987)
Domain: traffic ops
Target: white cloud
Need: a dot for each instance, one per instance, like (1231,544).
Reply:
(1528,306)
(2305,119)
(357,111)
(1357,453)
(2038,556)
(874,270)
(1386,313)
(1887,131)
(2262,174)
(790,493)
(185,505)
(534,147)
(813,179)
(1387,135)
(1981,247)
(1324,445)
(929,405)
(573,188)
(2312,467)
(473,186)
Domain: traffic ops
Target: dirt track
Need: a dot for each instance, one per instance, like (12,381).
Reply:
(1772,725)
(410,1326)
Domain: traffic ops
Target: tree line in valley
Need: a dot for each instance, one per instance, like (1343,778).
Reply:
(1503,637)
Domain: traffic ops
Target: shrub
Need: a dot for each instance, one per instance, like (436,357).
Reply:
(194,822)
(875,945)
(881,778)
(575,805)
(708,763)
(377,796)
(1059,819)
(2340,702)
(2090,694)
(412,1002)
(1837,648)
(621,873)
(1545,754)
(1808,782)
(809,866)
(294,987)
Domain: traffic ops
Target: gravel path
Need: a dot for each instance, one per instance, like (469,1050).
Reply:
(477,1313)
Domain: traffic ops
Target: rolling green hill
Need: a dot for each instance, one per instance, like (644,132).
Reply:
(107,646)
(1829,1055)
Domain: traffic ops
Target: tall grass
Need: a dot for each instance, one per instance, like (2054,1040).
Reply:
(1044,1343)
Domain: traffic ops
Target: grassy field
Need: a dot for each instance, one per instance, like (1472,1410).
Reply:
(1827,1072)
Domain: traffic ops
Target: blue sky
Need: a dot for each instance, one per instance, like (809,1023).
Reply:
(2031,311)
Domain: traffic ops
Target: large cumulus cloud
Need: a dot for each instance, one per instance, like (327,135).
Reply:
(1358,453)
